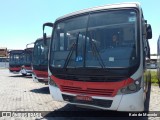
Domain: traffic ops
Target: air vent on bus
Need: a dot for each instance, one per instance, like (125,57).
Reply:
(88,91)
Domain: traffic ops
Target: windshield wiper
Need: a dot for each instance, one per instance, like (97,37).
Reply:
(96,52)
(74,45)
(69,55)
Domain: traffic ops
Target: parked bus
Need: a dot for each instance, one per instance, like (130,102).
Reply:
(15,60)
(86,66)
(40,60)
(26,68)
(158,59)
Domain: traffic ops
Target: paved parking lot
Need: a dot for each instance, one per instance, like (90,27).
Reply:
(19,93)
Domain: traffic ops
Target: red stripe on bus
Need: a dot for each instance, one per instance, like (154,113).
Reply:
(15,68)
(109,89)
(43,74)
(28,68)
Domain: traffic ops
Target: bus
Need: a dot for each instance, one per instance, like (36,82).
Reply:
(87,69)
(26,68)
(40,60)
(158,60)
(15,60)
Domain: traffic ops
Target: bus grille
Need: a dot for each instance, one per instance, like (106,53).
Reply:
(88,91)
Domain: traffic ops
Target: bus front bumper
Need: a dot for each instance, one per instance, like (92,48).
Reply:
(127,102)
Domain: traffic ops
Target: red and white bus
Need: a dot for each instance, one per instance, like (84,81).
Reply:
(40,60)
(26,68)
(157,65)
(86,69)
(15,60)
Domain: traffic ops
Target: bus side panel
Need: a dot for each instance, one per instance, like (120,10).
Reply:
(56,93)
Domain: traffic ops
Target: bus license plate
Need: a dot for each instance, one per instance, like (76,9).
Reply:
(83,98)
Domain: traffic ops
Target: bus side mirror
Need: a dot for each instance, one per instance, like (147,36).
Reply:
(149,31)
(45,38)
(44,34)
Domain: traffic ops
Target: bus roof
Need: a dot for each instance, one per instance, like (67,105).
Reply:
(41,38)
(28,49)
(16,51)
(104,7)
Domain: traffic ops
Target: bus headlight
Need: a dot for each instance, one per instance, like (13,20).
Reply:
(51,82)
(131,88)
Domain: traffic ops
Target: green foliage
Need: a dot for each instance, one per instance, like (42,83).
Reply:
(154,79)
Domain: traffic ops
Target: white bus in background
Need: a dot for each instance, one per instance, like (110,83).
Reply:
(153,61)
(86,69)
(158,59)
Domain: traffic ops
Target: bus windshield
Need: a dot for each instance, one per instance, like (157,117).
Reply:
(105,39)
(27,56)
(40,52)
(16,58)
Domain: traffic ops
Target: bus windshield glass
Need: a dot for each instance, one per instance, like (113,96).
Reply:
(27,56)
(16,58)
(40,52)
(104,39)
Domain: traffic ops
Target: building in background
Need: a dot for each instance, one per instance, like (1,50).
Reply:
(4,60)
(3,52)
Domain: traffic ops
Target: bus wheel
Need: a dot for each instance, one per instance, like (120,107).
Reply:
(145,87)
(148,78)
(147,93)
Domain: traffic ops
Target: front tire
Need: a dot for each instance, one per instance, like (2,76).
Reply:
(147,93)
